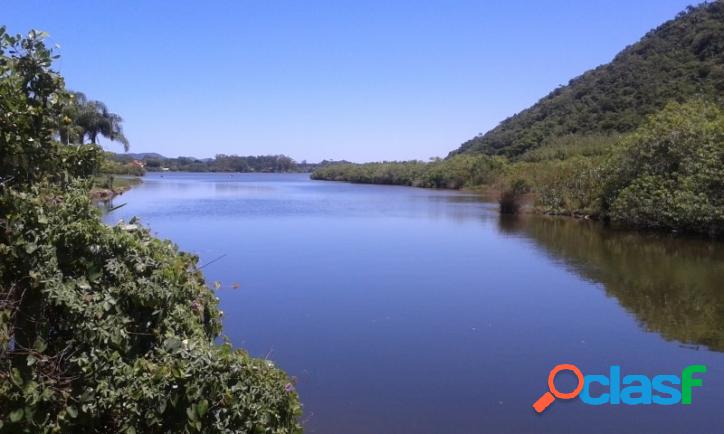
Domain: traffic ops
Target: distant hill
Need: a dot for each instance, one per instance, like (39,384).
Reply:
(678,60)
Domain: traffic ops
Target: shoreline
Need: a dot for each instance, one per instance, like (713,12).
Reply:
(123,184)
(527,207)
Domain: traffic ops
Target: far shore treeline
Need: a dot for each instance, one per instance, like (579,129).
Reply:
(138,164)
(638,141)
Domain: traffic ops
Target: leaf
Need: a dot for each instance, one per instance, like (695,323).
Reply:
(72,411)
(94,274)
(16,415)
(16,377)
(171,344)
(40,344)
(202,407)
(191,413)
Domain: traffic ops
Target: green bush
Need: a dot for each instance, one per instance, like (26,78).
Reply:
(511,195)
(112,331)
(669,174)
(115,168)
(31,103)
(566,187)
(394,173)
(103,329)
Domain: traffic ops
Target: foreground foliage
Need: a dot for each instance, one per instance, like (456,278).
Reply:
(103,329)
(114,329)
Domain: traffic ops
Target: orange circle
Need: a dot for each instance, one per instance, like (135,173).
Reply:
(552,377)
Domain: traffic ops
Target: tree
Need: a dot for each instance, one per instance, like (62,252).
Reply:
(91,118)
(31,101)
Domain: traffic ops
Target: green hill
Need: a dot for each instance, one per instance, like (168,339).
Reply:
(681,59)
(638,142)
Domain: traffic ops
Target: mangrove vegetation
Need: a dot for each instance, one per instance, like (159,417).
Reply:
(637,142)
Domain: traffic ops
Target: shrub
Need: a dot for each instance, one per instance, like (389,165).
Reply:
(103,329)
(111,330)
(670,172)
(117,168)
(510,198)
(568,187)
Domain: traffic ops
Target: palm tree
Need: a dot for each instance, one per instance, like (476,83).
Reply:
(89,118)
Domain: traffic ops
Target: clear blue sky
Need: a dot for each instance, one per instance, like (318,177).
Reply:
(356,80)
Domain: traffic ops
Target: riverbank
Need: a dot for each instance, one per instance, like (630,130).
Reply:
(664,176)
(106,187)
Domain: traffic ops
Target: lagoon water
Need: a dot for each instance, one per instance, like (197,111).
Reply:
(403,310)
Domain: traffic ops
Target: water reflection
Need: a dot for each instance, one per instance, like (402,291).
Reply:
(672,285)
(193,195)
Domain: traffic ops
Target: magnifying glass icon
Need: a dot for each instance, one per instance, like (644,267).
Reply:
(547,398)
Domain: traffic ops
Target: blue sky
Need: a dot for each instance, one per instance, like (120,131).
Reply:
(355,80)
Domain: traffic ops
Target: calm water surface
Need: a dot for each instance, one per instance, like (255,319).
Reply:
(403,310)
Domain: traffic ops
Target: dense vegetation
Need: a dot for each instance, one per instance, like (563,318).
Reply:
(668,174)
(681,59)
(111,165)
(122,163)
(456,172)
(103,329)
(620,143)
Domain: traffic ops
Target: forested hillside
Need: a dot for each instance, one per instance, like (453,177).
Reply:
(679,60)
(639,141)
